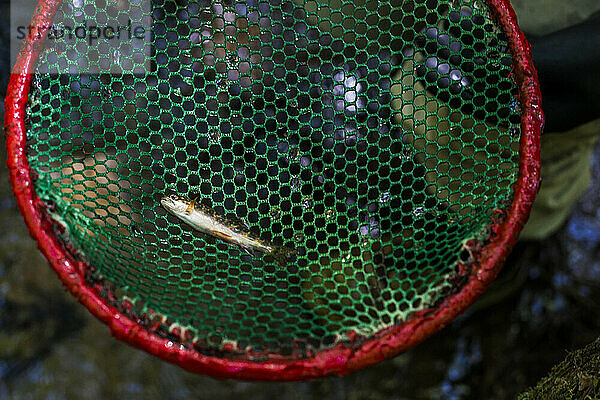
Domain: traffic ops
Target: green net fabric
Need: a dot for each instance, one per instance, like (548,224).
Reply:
(375,138)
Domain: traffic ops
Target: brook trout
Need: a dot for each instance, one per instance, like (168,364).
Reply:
(207,220)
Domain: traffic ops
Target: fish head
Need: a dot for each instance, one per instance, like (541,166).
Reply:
(175,203)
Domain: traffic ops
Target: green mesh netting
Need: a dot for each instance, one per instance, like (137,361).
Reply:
(375,138)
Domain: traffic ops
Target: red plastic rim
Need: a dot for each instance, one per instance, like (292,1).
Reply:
(337,360)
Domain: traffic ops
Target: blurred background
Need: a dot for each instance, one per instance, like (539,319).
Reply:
(544,304)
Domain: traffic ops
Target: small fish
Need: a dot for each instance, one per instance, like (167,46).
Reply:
(232,230)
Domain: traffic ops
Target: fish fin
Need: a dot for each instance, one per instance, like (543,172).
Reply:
(282,254)
(220,235)
(191,206)
(248,249)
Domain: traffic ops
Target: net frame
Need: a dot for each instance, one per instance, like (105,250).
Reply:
(342,358)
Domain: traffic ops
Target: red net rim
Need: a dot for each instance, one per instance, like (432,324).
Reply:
(340,359)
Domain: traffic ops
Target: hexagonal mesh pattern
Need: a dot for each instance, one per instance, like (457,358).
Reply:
(374,138)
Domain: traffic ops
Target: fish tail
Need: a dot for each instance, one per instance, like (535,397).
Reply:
(282,254)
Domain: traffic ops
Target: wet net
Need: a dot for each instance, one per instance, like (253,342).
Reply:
(388,147)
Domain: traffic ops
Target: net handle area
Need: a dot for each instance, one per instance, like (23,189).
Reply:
(342,358)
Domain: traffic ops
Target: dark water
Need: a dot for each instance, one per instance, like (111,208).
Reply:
(545,303)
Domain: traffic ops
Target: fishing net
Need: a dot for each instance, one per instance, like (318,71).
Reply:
(391,146)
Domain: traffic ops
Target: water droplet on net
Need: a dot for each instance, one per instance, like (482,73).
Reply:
(495,66)
(385,197)
(307,202)
(294,153)
(105,94)
(515,106)
(187,75)
(384,128)
(419,211)
(232,61)
(214,135)
(275,212)
(299,237)
(347,257)
(295,183)
(329,213)
(36,82)
(222,82)
(515,133)
(406,154)
(27,117)
(364,242)
(282,131)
